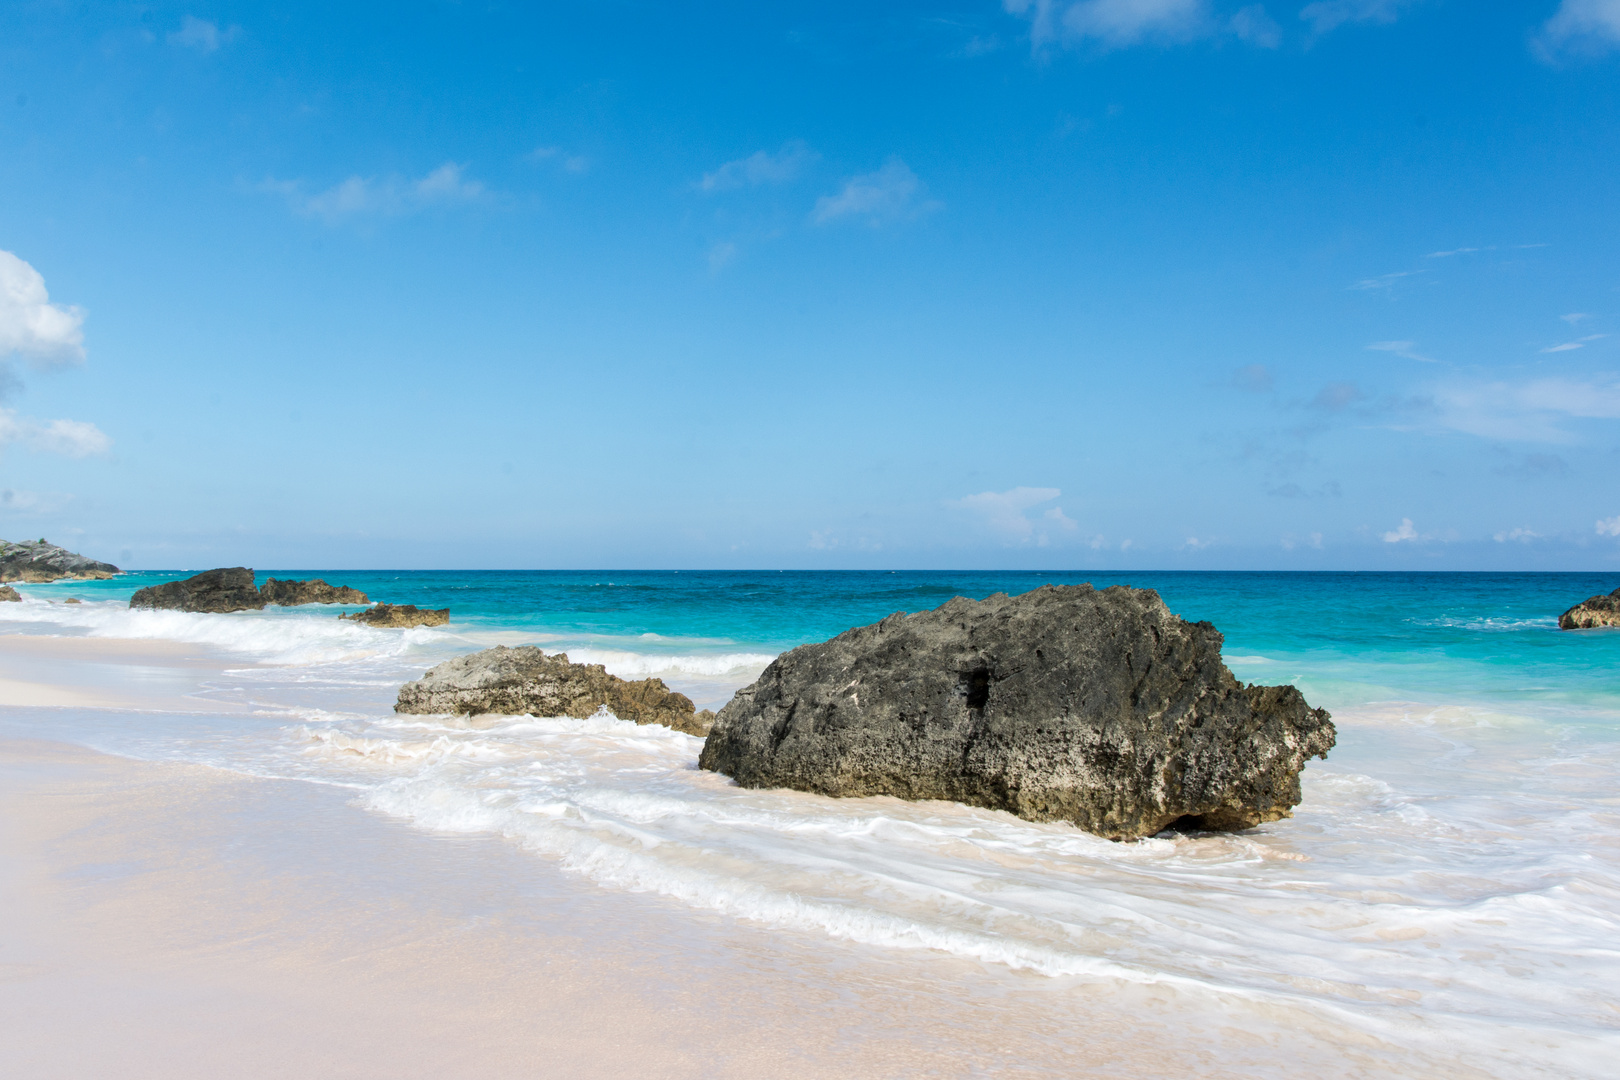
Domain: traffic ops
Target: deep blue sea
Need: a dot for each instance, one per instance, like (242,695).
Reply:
(1450,884)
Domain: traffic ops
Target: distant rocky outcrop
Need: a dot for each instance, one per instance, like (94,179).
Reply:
(219,591)
(8,593)
(1064,704)
(525,680)
(400,615)
(1592,613)
(315,591)
(39,561)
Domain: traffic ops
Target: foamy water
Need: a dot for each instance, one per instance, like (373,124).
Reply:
(1451,882)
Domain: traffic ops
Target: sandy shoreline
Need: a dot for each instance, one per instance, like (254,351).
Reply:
(175,920)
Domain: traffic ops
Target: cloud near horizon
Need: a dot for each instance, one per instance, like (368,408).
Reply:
(70,438)
(1005,514)
(391,196)
(892,193)
(32,326)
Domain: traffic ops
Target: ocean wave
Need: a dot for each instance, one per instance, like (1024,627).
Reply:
(640,665)
(276,638)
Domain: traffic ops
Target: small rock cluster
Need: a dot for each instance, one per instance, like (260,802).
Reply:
(1592,613)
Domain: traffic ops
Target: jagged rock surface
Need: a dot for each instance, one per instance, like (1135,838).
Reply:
(38,561)
(8,593)
(1064,704)
(400,615)
(217,591)
(1592,613)
(525,680)
(314,591)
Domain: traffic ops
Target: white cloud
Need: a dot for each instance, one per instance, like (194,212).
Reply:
(888,194)
(1195,544)
(1574,317)
(574,163)
(1327,15)
(1522,536)
(1590,26)
(1004,513)
(1532,411)
(200,34)
(1404,531)
(70,438)
(29,323)
(1609,526)
(390,195)
(761,167)
(1385,281)
(1404,349)
(32,502)
(1116,23)
(1254,25)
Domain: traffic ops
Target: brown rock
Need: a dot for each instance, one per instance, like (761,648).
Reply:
(1592,613)
(314,591)
(8,593)
(218,591)
(525,680)
(400,615)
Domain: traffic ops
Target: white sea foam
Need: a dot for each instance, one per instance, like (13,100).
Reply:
(1452,875)
(271,637)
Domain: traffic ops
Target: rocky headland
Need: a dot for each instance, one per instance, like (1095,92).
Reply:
(314,591)
(400,615)
(216,591)
(36,561)
(1100,708)
(1592,613)
(524,680)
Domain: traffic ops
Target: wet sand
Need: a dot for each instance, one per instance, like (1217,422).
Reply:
(174,920)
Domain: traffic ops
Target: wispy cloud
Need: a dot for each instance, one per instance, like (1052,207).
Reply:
(1571,346)
(1579,26)
(30,324)
(388,196)
(1516,536)
(1534,411)
(1328,15)
(1405,349)
(1111,23)
(70,438)
(1609,526)
(761,167)
(1255,378)
(891,193)
(32,502)
(201,34)
(1401,533)
(1385,281)
(556,155)
(1254,25)
(1006,515)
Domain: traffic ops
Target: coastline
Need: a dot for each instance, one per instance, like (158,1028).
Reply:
(178,919)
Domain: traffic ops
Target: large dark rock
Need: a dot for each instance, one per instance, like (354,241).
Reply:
(38,561)
(1590,614)
(8,593)
(218,591)
(400,615)
(314,591)
(525,680)
(1063,704)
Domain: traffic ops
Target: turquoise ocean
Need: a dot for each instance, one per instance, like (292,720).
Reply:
(1450,885)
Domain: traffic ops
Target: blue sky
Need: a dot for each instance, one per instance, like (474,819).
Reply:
(1108,283)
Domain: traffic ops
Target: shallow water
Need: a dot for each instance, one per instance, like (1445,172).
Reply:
(1450,884)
